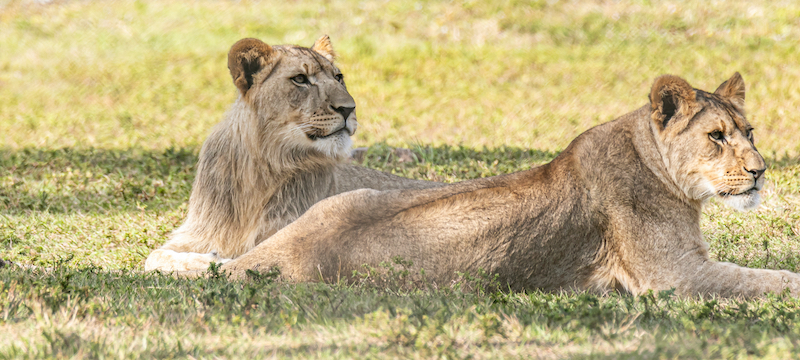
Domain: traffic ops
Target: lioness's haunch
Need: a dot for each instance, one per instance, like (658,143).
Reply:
(618,209)
(280,149)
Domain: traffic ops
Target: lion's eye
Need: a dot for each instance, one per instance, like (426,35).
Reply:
(339,77)
(717,135)
(750,135)
(300,79)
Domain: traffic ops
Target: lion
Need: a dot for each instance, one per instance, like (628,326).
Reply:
(281,148)
(617,210)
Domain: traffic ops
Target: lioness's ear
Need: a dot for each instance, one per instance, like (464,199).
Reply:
(247,57)
(669,96)
(323,47)
(733,90)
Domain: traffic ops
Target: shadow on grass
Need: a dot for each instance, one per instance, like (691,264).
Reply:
(108,180)
(94,180)
(454,321)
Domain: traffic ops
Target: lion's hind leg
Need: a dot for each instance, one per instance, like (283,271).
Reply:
(311,247)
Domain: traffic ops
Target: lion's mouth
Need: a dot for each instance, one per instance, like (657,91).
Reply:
(749,191)
(314,137)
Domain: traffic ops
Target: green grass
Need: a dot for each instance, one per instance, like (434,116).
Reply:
(91,313)
(103,107)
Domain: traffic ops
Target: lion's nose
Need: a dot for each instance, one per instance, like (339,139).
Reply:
(345,111)
(756,172)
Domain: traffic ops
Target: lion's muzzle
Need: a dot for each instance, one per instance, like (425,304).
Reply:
(349,115)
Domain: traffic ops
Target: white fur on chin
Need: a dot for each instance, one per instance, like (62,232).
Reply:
(743,202)
(335,146)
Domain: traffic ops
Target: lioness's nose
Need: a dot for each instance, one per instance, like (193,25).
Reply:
(756,172)
(345,111)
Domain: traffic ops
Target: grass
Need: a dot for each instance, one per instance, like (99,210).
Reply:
(91,313)
(103,107)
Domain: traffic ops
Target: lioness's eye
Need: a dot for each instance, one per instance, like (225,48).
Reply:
(750,135)
(717,135)
(339,77)
(300,79)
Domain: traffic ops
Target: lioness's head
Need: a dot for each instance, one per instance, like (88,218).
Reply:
(298,93)
(706,142)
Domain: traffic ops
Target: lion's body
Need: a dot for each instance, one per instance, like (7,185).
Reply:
(618,209)
(281,148)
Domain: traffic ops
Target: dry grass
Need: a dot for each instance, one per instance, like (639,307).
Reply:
(527,74)
(103,106)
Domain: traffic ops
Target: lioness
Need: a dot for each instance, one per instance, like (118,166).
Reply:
(618,209)
(279,150)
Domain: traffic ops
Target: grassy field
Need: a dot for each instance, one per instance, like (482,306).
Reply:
(104,105)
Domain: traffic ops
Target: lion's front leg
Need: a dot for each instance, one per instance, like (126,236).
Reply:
(729,280)
(170,260)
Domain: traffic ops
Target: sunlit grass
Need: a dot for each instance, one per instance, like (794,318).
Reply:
(527,74)
(103,107)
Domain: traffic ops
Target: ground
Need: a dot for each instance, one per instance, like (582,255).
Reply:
(103,107)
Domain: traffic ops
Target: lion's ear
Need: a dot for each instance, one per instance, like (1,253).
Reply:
(671,96)
(323,47)
(247,57)
(733,90)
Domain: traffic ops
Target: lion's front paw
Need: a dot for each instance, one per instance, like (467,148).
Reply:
(198,261)
(168,260)
(218,259)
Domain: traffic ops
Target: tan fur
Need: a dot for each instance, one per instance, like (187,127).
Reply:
(618,209)
(279,150)
(323,47)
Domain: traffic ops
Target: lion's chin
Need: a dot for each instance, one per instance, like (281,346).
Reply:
(745,201)
(336,145)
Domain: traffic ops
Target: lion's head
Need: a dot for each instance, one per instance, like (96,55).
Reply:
(298,93)
(706,142)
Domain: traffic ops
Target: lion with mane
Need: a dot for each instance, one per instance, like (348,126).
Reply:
(281,148)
